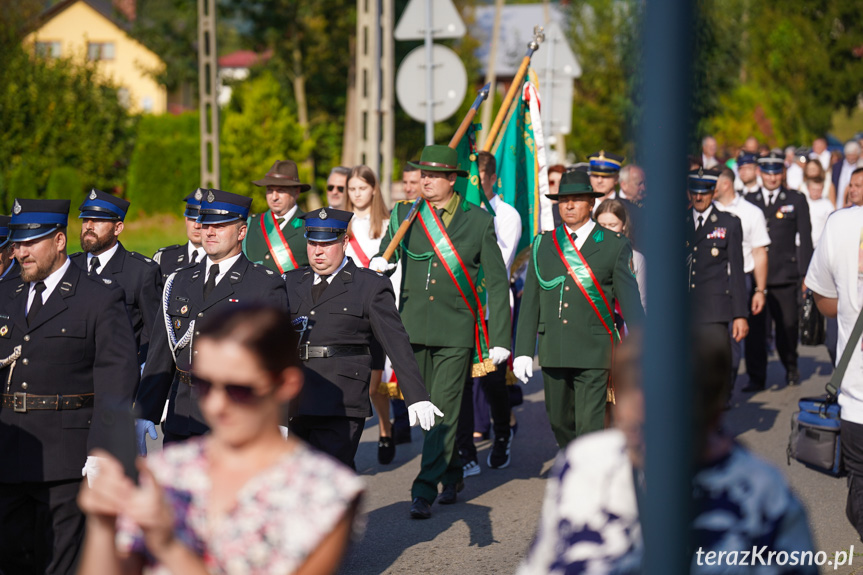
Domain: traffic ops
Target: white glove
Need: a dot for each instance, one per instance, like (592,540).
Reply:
(522,367)
(423,412)
(284,431)
(498,355)
(380,265)
(142,428)
(91,469)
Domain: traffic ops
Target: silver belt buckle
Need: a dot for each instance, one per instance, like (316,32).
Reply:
(304,352)
(19,404)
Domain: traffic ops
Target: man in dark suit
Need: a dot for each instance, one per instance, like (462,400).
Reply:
(787,214)
(441,255)
(140,278)
(68,359)
(9,269)
(172,258)
(341,308)
(275,238)
(223,278)
(714,260)
(574,275)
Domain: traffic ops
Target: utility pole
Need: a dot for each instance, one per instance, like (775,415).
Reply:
(491,73)
(207,93)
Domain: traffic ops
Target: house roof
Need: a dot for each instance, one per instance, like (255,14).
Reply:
(104,7)
(516,30)
(244,59)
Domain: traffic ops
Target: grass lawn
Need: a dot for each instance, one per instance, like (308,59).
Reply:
(145,234)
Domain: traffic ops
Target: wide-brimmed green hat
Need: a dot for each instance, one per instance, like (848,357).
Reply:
(439,159)
(574,183)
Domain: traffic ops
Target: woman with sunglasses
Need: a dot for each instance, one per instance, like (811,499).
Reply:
(241,499)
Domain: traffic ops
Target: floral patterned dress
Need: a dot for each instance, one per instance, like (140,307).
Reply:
(281,515)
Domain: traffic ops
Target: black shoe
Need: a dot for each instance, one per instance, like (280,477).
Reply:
(386,450)
(499,456)
(793,376)
(754,386)
(420,508)
(449,495)
(402,435)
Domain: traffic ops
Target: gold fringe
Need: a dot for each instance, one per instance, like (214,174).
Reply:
(609,396)
(511,379)
(483,368)
(391,389)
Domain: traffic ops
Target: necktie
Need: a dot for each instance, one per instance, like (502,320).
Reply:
(194,257)
(574,237)
(280,220)
(772,199)
(211,281)
(698,224)
(37,301)
(319,288)
(94,265)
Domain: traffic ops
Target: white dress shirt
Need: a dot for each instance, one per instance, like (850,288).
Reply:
(224,266)
(332,275)
(582,233)
(754,227)
(507,228)
(361,227)
(50,283)
(104,258)
(770,196)
(288,215)
(200,251)
(703,215)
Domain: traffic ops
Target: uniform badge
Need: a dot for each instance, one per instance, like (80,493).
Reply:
(631,265)
(199,195)
(714,252)
(184,310)
(781,195)
(211,197)
(779,215)
(713,218)
(16,209)
(322,214)
(177,323)
(4,330)
(598,236)
(92,194)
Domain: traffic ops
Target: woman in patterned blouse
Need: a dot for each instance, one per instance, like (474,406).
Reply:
(241,499)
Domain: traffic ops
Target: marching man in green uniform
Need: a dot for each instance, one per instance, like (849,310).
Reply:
(574,275)
(275,237)
(441,256)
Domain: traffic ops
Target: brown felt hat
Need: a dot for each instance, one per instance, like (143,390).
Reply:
(283,173)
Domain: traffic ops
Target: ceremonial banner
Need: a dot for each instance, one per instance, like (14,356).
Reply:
(522,171)
(469,188)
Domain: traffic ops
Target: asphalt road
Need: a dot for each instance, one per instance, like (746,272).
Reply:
(490,528)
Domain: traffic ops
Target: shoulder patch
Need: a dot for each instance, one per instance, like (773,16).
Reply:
(168,248)
(107,282)
(598,236)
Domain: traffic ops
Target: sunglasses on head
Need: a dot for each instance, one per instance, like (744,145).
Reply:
(330,187)
(243,394)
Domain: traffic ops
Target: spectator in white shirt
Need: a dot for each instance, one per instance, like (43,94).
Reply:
(708,153)
(820,207)
(842,172)
(821,153)
(835,275)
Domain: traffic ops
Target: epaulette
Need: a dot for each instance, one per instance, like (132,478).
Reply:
(76,254)
(141,257)
(367,270)
(167,248)
(263,269)
(405,201)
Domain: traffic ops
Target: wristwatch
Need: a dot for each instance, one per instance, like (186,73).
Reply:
(764,291)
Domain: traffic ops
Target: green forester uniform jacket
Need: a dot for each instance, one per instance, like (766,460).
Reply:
(433,311)
(255,246)
(570,333)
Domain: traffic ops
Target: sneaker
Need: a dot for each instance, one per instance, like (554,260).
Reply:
(471,468)
(499,456)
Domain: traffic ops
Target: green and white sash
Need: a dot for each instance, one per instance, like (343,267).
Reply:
(276,242)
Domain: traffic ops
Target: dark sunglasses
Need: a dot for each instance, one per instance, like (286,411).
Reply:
(341,189)
(243,394)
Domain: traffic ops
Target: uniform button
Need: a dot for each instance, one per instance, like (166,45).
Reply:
(63,330)
(344,309)
(693,260)
(695,249)
(312,312)
(24,385)
(196,352)
(266,257)
(197,333)
(25,361)
(434,264)
(565,288)
(693,285)
(693,272)
(201,314)
(26,338)
(566,305)
(431,298)
(566,321)
(434,281)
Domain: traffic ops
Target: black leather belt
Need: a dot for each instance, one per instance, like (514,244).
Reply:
(184,376)
(324,351)
(22,402)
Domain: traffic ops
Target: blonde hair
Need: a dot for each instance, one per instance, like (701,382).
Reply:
(378,211)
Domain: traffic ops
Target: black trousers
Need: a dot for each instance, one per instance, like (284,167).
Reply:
(494,387)
(41,528)
(784,309)
(336,436)
(852,458)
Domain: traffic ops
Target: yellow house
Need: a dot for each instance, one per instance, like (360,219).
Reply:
(90,29)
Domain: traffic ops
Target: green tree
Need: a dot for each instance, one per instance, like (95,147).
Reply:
(65,183)
(259,129)
(55,113)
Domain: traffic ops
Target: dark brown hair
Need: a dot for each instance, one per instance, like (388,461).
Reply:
(618,209)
